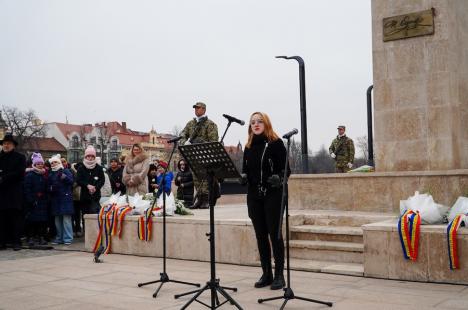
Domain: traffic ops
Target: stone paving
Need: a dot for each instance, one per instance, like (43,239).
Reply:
(70,280)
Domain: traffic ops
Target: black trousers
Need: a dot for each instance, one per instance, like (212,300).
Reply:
(35,229)
(11,225)
(264,211)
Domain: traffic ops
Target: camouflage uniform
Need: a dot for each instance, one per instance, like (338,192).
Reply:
(343,148)
(200,131)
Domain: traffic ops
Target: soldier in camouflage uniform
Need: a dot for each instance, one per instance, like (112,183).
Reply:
(342,150)
(200,130)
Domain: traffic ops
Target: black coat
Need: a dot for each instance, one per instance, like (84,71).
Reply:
(115,178)
(12,169)
(184,181)
(85,177)
(274,160)
(35,195)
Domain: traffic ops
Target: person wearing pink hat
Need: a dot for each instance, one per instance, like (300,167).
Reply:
(90,177)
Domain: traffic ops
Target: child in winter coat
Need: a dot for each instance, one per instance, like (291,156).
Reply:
(35,195)
(61,199)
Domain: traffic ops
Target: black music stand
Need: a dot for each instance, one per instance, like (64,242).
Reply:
(210,161)
(164,277)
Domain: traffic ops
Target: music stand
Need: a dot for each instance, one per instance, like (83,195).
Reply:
(210,161)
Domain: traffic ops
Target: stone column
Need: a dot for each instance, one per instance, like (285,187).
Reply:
(421,89)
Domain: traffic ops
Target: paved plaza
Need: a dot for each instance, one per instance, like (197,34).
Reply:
(31,279)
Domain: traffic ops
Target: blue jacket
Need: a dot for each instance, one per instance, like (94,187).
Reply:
(166,184)
(35,196)
(60,189)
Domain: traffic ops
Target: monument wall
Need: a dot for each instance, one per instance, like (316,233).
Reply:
(421,89)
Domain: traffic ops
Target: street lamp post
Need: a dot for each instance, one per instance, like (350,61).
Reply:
(304,147)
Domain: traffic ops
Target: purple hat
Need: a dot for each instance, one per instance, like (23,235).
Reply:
(37,159)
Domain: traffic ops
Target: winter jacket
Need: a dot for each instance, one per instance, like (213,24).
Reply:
(115,177)
(136,170)
(167,184)
(35,197)
(60,184)
(262,160)
(12,167)
(184,181)
(85,177)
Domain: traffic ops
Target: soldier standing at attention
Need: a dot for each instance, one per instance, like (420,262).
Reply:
(342,150)
(200,130)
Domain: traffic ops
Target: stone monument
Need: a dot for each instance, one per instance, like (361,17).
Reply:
(421,88)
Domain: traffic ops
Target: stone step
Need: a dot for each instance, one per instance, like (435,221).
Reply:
(343,252)
(327,233)
(351,269)
(341,218)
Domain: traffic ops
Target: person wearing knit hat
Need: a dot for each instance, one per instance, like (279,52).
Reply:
(35,195)
(90,177)
(60,187)
(166,184)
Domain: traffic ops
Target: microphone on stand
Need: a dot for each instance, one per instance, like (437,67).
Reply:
(174,139)
(233,119)
(290,134)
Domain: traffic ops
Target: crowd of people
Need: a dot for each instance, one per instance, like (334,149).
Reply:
(44,200)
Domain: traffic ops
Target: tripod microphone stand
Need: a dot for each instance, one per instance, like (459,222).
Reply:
(210,161)
(164,276)
(288,292)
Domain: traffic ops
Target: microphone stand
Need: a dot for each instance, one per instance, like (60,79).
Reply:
(164,276)
(225,131)
(288,292)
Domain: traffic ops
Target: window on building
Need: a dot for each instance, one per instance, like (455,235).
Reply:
(75,143)
(93,140)
(114,144)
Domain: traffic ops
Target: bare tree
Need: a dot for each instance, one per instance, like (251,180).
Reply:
(24,125)
(361,143)
(321,162)
(176,130)
(103,139)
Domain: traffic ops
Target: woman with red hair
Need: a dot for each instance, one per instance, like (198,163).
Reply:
(263,168)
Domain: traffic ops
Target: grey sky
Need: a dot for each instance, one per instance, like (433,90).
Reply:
(147,62)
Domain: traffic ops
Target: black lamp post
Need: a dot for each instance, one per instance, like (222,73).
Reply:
(304,148)
(370,135)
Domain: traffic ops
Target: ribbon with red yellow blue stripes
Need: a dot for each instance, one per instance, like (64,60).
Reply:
(409,231)
(452,242)
(145,225)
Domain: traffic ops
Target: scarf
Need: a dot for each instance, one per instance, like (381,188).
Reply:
(38,171)
(57,167)
(89,164)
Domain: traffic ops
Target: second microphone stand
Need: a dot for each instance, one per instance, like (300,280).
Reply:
(164,276)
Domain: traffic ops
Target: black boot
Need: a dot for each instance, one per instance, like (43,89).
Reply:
(204,201)
(278,281)
(197,203)
(266,278)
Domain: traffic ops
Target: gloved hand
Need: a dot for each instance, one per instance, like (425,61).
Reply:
(243,179)
(274,181)
(63,176)
(350,165)
(333,155)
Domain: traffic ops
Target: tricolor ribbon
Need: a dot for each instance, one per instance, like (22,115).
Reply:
(452,242)
(409,230)
(145,225)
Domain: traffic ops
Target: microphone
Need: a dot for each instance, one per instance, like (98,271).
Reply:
(233,119)
(290,134)
(174,139)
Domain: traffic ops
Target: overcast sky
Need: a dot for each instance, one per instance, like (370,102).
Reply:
(147,62)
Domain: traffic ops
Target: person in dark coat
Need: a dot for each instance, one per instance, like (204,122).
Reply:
(61,200)
(35,196)
(115,176)
(90,177)
(152,178)
(263,168)
(184,183)
(12,168)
